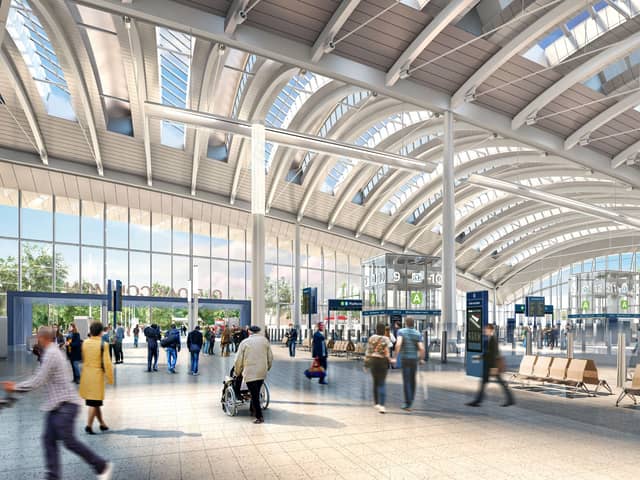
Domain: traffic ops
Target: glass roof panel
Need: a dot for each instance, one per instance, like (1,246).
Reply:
(40,57)
(175,50)
(243,83)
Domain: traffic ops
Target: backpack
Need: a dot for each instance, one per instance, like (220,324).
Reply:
(170,340)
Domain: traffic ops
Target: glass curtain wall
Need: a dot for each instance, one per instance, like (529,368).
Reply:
(56,244)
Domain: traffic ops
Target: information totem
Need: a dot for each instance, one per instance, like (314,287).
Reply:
(477,319)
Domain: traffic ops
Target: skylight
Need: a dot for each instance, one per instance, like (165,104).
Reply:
(288,103)
(415,4)
(33,43)
(582,29)
(174,59)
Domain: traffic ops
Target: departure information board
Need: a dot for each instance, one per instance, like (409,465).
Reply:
(474,329)
(535,306)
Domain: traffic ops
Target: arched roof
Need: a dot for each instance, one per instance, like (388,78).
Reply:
(544,96)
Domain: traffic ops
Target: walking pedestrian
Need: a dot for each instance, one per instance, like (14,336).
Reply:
(207,340)
(97,369)
(377,360)
(236,337)
(136,335)
(410,347)
(319,351)
(171,343)
(225,340)
(153,335)
(74,351)
(212,340)
(118,345)
(253,360)
(490,367)
(61,406)
(292,340)
(194,344)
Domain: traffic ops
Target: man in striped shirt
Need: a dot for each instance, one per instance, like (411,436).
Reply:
(61,406)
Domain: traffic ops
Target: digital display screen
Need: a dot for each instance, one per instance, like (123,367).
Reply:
(535,306)
(474,330)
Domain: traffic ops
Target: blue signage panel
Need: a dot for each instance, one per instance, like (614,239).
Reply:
(309,301)
(345,305)
(520,308)
(578,316)
(432,313)
(534,306)
(548,309)
(477,319)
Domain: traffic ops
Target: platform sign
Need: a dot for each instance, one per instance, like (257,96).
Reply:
(309,301)
(346,305)
(624,304)
(520,308)
(477,319)
(416,298)
(511,329)
(534,306)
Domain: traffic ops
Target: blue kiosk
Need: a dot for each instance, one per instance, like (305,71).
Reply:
(477,319)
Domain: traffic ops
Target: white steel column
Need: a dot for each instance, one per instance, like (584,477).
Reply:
(258,222)
(448,230)
(296,277)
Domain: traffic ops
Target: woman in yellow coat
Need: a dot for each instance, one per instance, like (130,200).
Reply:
(97,366)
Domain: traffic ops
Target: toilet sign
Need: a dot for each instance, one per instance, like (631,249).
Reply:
(416,298)
(624,304)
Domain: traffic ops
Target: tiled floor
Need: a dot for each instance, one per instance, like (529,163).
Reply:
(172,427)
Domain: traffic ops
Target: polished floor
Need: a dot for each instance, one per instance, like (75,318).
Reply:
(167,426)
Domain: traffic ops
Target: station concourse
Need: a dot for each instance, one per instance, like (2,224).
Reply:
(298,239)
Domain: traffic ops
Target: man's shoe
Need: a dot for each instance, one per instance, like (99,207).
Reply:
(323,382)
(196,374)
(155,369)
(148,370)
(258,420)
(508,404)
(406,407)
(107,473)
(381,409)
(472,404)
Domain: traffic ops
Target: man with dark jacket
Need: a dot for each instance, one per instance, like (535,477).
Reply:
(319,350)
(194,344)
(172,347)
(153,336)
(490,367)
(292,335)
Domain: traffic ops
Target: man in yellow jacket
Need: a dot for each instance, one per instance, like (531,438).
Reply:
(253,361)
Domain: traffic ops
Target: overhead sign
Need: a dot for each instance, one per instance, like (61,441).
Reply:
(603,315)
(548,309)
(585,305)
(345,305)
(534,306)
(372,313)
(624,304)
(520,308)
(309,301)
(416,298)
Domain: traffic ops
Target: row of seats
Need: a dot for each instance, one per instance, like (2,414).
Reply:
(633,389)
(341,347)
(576,373)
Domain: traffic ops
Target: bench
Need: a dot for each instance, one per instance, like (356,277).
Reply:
(526,368)
(632,390)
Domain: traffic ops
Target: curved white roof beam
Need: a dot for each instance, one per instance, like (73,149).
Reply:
(550,234)
(627,154)
(44,8)
(137,57)
(576,242)
(448,14)
(582,134)
(521,41)
(374,112)
(579,74)
(25,104)
(309,118)
(260,110)
(213,69)
(525,238)
(432,217)
(324,42)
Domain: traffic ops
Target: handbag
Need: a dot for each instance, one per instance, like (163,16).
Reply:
(501,364)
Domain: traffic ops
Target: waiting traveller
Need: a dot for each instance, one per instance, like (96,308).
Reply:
(394,335)
(377,361)
(184,330)
(253,361)
(171,343)
(118,345)
(391,336)
(153,335)
(225,340)
(96,369)
(194,344)
(60,340)
(410,347)
(112,344)
(319,350)
(61,406)
(207,340)
(74,351)
(490,368)
(212,340)
(292,340)
(136,335)
(237,337)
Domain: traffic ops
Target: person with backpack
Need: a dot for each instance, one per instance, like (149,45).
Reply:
(171,344)
(97,369)
(410,347)
(153,335)
(377,361)
(194,344)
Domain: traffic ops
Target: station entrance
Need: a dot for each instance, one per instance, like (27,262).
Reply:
(23,307)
